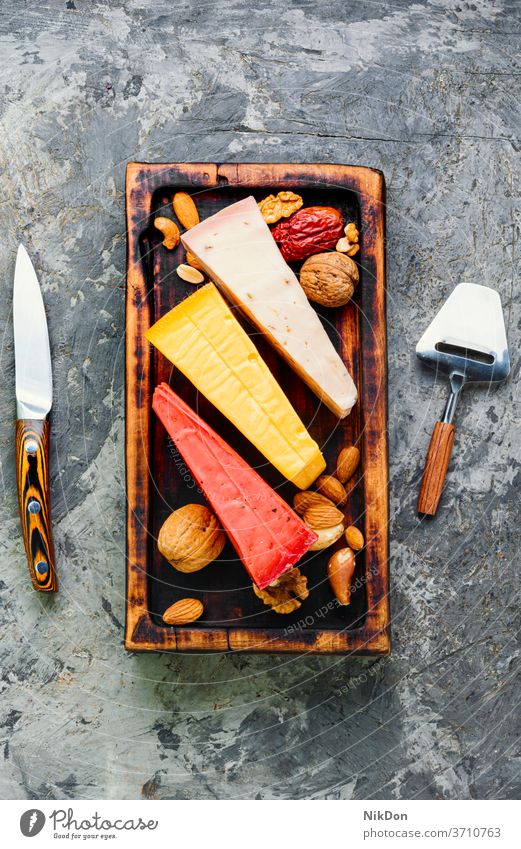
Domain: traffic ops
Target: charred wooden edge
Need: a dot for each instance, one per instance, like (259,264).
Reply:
(141,634)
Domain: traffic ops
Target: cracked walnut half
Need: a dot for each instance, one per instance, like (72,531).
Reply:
(286,594)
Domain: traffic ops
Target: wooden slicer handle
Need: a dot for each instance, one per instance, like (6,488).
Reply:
(32,477)
(436,464)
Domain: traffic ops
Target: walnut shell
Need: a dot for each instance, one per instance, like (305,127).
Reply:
(329,278)
(191,538)
(286,593)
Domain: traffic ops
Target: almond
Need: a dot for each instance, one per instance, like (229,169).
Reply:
(322,516)
(170,231)
(354,538)
(329,486)
(347,462)
(340,570)
(302,501)
(186,210)
(191,275)
(192,260)
(191,538)
(327,536)
(183,611)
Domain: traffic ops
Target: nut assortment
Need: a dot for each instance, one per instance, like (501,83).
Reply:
(320,511)
(190,539)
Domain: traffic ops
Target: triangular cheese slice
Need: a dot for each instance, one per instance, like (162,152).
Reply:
(239,253)
(266,533)
(205,341)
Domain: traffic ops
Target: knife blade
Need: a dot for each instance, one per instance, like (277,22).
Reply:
(33,404)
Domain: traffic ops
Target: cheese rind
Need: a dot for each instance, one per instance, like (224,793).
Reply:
(237,250)
(265,532)
(205,341)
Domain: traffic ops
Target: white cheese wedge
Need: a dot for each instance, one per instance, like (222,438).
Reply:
(239,253)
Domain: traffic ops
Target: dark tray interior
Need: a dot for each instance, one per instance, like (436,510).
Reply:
(224,586)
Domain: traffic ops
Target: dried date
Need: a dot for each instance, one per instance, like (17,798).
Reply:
(309,231)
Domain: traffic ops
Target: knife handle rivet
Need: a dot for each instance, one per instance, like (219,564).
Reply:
(34,506)
(41,567)
(31,446)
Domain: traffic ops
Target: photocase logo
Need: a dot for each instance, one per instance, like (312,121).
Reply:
(32,822)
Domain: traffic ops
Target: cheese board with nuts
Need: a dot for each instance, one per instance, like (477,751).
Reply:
(256,411)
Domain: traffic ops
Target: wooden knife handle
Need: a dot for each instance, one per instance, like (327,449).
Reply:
(436,464)
(32,476)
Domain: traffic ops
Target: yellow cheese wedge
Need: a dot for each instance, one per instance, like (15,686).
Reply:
(206,342)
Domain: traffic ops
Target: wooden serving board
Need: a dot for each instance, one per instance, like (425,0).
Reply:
(157,478)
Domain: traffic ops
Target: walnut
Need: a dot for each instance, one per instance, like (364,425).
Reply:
(286,594)
(329,278)
(191,538)
(349,244)
(282,206)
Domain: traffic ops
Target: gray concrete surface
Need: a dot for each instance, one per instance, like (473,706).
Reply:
(428,91)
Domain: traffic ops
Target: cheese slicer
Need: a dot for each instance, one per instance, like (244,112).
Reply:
(467,342)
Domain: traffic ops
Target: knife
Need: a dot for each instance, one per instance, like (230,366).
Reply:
(33,404)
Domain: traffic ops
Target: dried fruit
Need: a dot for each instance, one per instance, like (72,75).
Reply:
(191,275)
(183,611)
(192,260)
(309,231)
(191,538)
(322,516)
(329,486)
(303,500)
(347,462)
(273,208)
(354,538)
(286,594)
(327,536)
(340,570)
(329,278)
(170,231)
(186,210)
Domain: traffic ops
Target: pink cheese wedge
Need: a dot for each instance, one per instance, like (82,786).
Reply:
(266,533)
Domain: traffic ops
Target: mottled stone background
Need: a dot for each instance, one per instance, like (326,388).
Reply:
(428,91)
